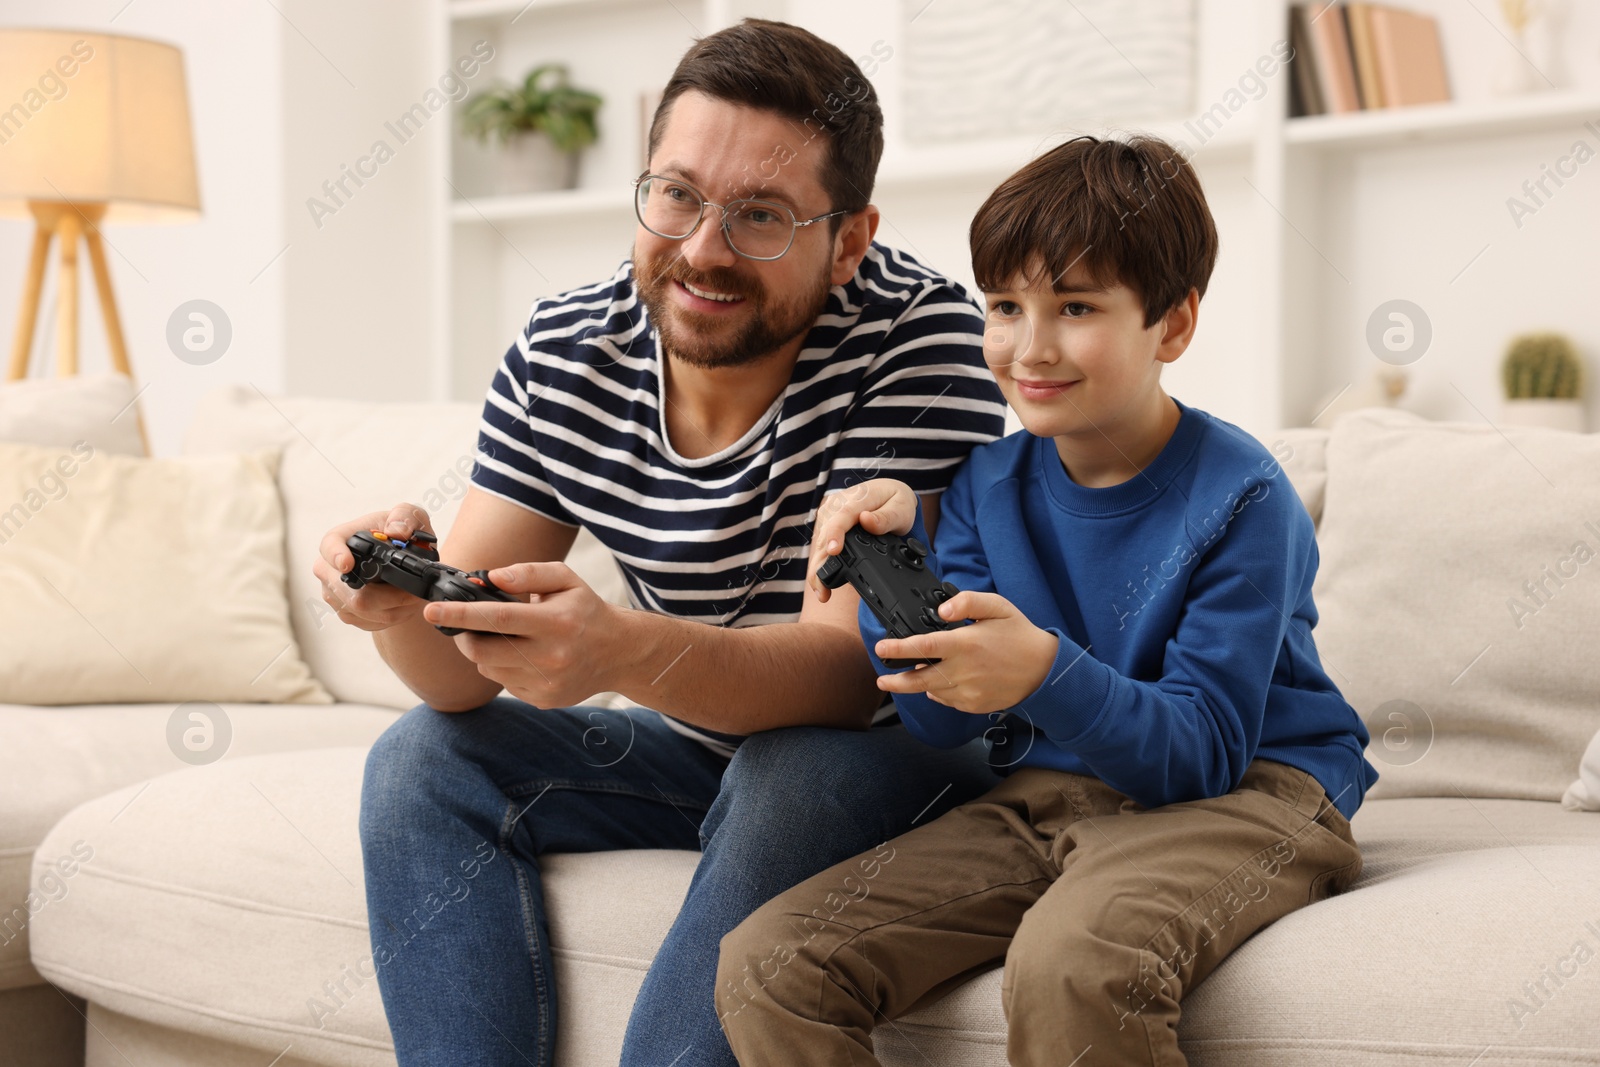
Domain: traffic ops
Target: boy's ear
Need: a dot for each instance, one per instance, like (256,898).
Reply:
(1177,327)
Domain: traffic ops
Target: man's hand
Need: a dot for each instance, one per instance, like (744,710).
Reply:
(556,650)
(988,666)
(879,506)
(376,605)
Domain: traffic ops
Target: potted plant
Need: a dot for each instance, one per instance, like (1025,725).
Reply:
(1543,380)
(541,126)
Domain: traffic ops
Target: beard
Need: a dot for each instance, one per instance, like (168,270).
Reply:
(700,340)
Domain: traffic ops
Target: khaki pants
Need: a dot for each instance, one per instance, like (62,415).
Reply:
(1105,913)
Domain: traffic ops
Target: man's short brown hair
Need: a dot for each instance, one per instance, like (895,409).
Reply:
(784,69)
(1130,211)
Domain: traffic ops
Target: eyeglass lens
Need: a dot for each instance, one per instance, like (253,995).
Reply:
(755,228)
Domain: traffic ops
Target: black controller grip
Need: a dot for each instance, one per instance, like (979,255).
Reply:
(413,566)
(894,582)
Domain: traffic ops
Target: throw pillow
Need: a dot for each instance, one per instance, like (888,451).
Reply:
(96,408)
(1459,593)
(132,580)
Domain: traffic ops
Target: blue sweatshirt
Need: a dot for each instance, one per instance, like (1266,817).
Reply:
(1181,601)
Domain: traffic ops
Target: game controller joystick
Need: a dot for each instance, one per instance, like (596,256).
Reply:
(895,583)
(413,565)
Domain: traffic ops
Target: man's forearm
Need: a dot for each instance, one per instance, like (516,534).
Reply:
(743,679)
(431,666)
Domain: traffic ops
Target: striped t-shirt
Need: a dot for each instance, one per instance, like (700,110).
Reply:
(890,382)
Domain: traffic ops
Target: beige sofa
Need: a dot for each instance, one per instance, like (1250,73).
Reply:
(220,920)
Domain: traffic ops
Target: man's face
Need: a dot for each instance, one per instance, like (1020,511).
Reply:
(728,152)
(1070,357)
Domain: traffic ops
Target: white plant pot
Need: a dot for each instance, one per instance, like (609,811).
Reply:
(1550,414)
(1514,74)
(531,163)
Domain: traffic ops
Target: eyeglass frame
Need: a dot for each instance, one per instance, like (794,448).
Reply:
(723,226)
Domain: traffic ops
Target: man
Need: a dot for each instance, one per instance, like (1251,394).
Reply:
(757,351)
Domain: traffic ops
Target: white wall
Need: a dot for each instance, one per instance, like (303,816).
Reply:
(280,95)
(281,101)
(359,302)
(232,60)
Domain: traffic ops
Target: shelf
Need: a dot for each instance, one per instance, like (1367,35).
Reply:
(1530,113)
(560,202)
(469,10)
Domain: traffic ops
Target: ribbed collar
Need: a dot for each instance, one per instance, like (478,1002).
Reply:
(1136,491)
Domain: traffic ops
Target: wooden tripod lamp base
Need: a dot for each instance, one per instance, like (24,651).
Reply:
(68,222)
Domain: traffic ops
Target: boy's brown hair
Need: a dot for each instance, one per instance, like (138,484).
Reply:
(781,68)
(1130,211)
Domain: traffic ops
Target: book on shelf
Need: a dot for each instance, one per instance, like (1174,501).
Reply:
(1330,40)
(1358,22)
(1363,57)
(1305,94)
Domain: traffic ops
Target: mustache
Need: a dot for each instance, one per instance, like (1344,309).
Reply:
(718,279)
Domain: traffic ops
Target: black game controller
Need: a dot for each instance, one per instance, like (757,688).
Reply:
(413,565)
(891,577)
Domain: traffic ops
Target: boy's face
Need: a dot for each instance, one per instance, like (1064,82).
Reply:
(1073,358)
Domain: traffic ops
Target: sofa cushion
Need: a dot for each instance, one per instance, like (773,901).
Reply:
(59,412)
(1436,539)
(128,568)
(1584,793)
(55,758)
(342,459)
(158,928)
(1302,452)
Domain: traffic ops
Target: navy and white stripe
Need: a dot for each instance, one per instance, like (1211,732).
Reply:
(890,383)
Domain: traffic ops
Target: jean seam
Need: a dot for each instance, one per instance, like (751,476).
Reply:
(530,931)
(577,785)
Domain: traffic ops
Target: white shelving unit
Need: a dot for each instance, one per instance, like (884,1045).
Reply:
(1276,337)
(1434,122)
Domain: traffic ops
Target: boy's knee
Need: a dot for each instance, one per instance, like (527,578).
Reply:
(1064,960)
(780,941)
(752,954)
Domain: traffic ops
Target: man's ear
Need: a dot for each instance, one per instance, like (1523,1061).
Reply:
(1177,327)
(852,241)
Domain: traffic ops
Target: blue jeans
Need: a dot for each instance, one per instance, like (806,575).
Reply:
(457,808)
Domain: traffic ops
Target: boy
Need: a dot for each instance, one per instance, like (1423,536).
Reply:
(1180,770)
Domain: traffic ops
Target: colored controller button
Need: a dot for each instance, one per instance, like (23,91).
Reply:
(379,535)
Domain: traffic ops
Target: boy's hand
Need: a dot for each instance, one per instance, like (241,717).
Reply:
(988,666)
(880,506)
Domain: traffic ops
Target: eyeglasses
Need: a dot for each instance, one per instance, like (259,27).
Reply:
(755,229)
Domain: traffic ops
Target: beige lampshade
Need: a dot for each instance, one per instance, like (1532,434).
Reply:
(94,117)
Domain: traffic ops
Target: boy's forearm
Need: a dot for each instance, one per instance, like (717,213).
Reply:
(740,680)
(936,725)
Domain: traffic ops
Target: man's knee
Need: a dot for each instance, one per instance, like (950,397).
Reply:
(408,763)
(805,778)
